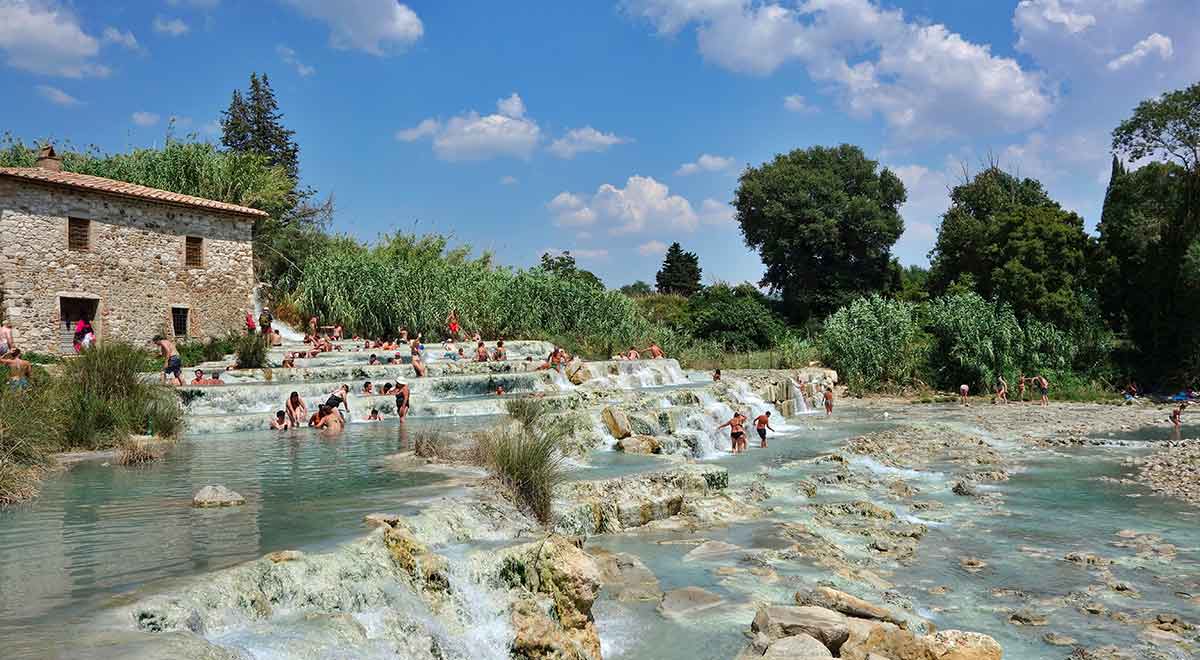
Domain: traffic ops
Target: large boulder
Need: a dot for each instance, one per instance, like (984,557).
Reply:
(640,444)
(960,645)
(869,639)
(617,423)
(558,570)
(777,621)
(797,647)
(840,601)
(217,495)
(626,578)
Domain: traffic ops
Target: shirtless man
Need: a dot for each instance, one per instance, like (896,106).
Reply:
(172,363)
(500,354)
(199,377)
(280,422)
(481,353)
(656,352)
(368,388)
(332,423)
(7,343)
(761,424)
(633,354)
(737,431)
(1043,386)
(19,371)
(1021,387)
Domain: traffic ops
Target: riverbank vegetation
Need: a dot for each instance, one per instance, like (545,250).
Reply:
(1016,284)
(95,401)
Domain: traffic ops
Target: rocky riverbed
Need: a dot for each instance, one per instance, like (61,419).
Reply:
(888,531)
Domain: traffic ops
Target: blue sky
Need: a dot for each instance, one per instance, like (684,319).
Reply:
(610,128)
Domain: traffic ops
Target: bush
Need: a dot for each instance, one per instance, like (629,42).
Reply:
(251,351)
(732,317)
(975,340)
(666,309)
(875,342)
(525,456)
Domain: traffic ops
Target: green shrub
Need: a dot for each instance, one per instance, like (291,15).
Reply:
(975,340)
(251,351)
(732,317)
(525,455)
(666,309)
(875,342)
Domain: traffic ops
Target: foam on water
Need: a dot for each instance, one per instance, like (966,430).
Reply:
(904,473)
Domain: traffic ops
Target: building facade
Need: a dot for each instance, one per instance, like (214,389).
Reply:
(134,261)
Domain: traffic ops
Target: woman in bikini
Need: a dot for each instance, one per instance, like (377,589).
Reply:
(737,431)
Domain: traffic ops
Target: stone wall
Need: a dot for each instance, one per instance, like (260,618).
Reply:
(134,270)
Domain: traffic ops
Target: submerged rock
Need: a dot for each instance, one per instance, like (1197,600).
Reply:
(625,577)
(213,496)
(640,444)
(687,601)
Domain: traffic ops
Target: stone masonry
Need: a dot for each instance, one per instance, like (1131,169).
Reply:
(134,267)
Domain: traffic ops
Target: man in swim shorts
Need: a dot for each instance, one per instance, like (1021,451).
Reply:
(172,363)
(19,371)
(761,424)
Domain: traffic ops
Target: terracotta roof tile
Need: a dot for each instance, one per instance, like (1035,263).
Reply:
(123,189)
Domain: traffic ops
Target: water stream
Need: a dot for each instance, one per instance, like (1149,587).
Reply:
(101,534)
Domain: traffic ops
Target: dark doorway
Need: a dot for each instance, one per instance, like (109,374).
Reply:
(70,311)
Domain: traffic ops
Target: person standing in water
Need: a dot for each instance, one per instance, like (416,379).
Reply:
(1043,388)
(964,391)
(1001,389)
(737,432)
(761,424)
(172,363)
(264,322)
(828,401)
(403,400)
(1021,388)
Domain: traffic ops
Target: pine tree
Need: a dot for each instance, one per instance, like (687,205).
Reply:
(680,272)
(254,123)
(235,124)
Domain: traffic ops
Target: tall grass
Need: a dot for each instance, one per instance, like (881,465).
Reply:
(524,455)
(251,351)
(95,401)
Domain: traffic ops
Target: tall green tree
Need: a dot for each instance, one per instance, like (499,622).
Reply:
(1007,238)
(1150,237)
(824,221)
(638,288)
(564,265)
(235,124)
(254,123)
(680,272)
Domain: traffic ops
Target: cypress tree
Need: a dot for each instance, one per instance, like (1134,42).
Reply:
(680,272)
(235,124)
(253,122)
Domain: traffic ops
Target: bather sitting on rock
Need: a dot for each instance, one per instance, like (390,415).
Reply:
(373,360)
(317,417)
(368,388)
(481,353)
(280,422)
(199,379)
(385,389)
(289,361)
(655,352)
(633,354)
(500,354)
(276,338)
(418,364)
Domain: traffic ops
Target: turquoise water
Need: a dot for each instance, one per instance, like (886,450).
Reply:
(100,530)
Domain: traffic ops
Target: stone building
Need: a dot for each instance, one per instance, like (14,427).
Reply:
(135,261)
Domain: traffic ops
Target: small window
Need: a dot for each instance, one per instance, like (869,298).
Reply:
(193,254)
(79,234)
(179,321)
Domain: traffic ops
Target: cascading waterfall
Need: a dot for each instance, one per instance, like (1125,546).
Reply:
(285,331)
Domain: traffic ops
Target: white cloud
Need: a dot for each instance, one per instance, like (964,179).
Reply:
(1047,16)
(426,128)
(928,197)
(142,118)
(1154,44)
(509,180)
(472,136)
(174,27)
(923,79)
(45,38)
(643,201)
(651,248)
(289,57)
(797,103)
(57,96)
(705,163)
(569,210)
(372,26)
(713,212)
(583,140)
(512,106)
(112,35)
